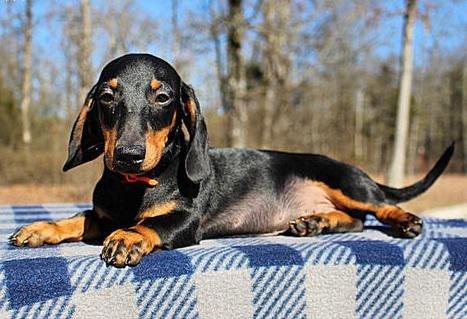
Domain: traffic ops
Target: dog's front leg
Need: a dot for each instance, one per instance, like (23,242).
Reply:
(126,247)
(82,226)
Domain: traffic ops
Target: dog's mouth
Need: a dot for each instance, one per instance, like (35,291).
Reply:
(125,167)
(133,174)
(134,168)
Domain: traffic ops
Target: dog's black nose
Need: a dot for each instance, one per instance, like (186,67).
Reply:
(133,154)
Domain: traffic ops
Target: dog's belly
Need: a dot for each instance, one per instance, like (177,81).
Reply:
(259,213)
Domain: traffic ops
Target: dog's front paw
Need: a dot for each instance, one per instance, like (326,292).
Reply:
(409,226)
(125,248)
(35,235)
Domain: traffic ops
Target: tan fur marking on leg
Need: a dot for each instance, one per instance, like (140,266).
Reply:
(75,228)
(158,210)
(150,235)
(344,202)
(390,214)
(408,225)
(337,219)
(329,222)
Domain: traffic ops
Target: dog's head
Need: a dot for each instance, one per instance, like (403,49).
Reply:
(133,115)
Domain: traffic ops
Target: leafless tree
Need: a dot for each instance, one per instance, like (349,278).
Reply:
(84,52)
(71,37)
(276,14)
(126,28)
(235,79)
(464,113)
(176,37)
(26,83)
(397,169)
(293,75)
(231,77)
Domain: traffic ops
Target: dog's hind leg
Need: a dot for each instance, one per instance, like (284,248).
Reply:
(405,224)
(323,223)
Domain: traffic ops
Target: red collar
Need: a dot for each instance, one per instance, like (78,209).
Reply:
(132,178)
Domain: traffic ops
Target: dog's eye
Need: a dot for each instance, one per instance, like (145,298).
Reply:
(106,98)
(162,98)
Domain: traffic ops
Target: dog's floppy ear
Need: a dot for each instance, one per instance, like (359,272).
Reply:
(86,140)
(197,164)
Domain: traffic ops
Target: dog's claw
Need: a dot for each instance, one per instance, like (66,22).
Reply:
(127,261)
(110,261)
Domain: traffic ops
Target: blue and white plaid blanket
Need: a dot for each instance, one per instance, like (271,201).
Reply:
(364,275)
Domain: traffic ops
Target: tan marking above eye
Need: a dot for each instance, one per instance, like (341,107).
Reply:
(155,84)
(113,83)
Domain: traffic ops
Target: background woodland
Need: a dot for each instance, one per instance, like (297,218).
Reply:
(316,76)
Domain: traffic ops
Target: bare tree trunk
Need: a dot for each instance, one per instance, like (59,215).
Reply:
(464,115)
(26,85)
(176,38)
(70,110)
(84,53)
(214,30)
(456,111)
(235,79)
(276,15)
(413,145)
(359,120)
(396,171)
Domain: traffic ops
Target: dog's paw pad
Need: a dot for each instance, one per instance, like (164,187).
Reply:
(308,226)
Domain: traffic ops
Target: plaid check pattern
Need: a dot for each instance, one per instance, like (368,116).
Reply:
(356,275)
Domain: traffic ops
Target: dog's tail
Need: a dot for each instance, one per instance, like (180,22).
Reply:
(398,195)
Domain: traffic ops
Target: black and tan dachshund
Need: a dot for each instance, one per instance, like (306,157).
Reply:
(163,187)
